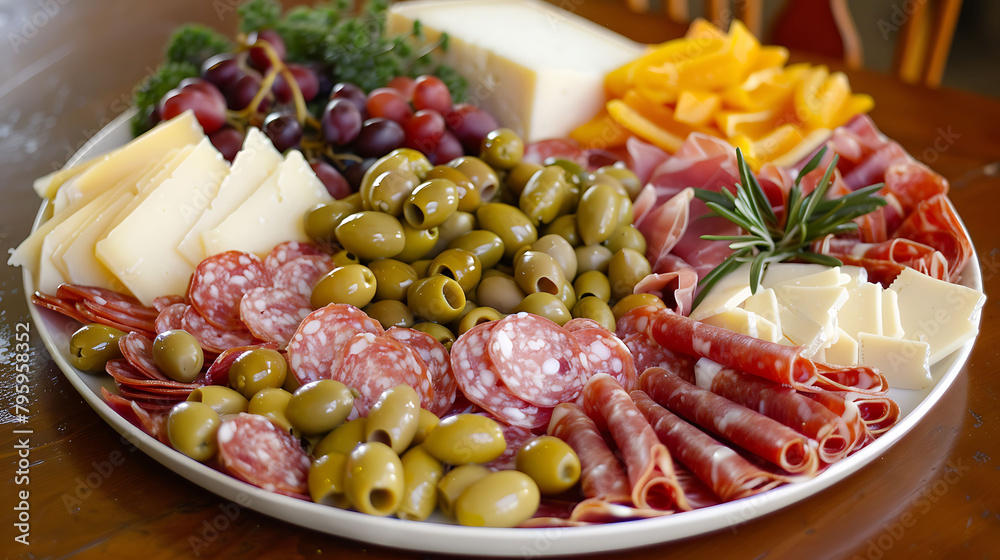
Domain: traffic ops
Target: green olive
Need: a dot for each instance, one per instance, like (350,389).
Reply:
(393,418)
(567,294)
(631,301)
(509,223)
(93,346)
(343,439)
(457,225)
(222,400)
(326,481)
(354,202)
(550,462)
(402,159)
(500,293)
(322,220)
(319,406)
(344,257)
(502,149)
(436,298)
(390,191)
(535,272)
(440,333)
(392,278)
(373,479)
(559,249)
(593,257)
(291,384)
(545,305)
(542,198)
(192,428)
(624,176)
(591,307)
(626,237)
(499,499)
(460,265)
(486,245)
(272,403)
(465,438)
(462,182)
(574,171)
(518,178)
(564,226)
(426,422)
(605,179)
(390,313)
(593,283)
(257,369)
(470,306)
(178,355)
(420,267)
(454,483)
(483,178)
(598,213)
(626,269)
(353,284)
(417,243)
(624,213)
(478,316)
(421,474)
(371,235)
(431,203)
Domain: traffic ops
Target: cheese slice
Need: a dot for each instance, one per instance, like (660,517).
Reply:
(49,275)
(818,304)
(80,258)
(731,291)
(526,85)
(905,363)
(737,320)
(765,305)
(801,330)
(251,167)
(781,273)
(274,213)
(141,251)
(828,277)
(892,326)
(844,352)
(863,310)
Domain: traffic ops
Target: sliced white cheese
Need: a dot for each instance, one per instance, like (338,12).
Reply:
(905,363)
(80,258)
(858,274)
(766,330)
(891,324)
(526,85)
(273,213)
(737,320)
(863,310)
(826,278)
(727,294)
(801,330)
(818,304)
(50,275)
(943,314)
(765,305)
(780,273)
(251,167)
(843,352)
(142,250)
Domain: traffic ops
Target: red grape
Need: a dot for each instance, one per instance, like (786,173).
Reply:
(378,137)
(228,141)
(304,78)
(204,86)
(284,131)
(447,149)
(404,85)
(354,171)
(335,183)
(207,107)
(388,103)
(222,70)
(341,122)
(470,125)
(429,92)
(353,94)
(424,130)
(239,95)
(259,58)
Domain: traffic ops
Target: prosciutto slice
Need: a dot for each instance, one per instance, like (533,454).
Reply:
(935,223)
(884,261)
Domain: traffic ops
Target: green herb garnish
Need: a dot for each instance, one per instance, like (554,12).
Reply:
(194,44)
(766,239)
(148,94)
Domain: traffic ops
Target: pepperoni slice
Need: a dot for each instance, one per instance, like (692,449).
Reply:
(211,338)
(256,451)
(474,373)
(138,351)
(218,285)
(373,364)
(606,353)
(290,250)
(125,374)
(301,274)
(273,314)
(164,302)
(317,346)
(537,359)
(171,318)
(435,357)
(116,316)
(102,297)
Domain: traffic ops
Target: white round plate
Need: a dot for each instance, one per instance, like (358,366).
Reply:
(445,538)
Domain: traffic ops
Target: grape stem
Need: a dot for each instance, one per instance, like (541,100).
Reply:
(277,66)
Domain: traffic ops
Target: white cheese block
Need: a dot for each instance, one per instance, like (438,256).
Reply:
(892,326)
(80,258)
(731,291)
(858,274)
(765,305)
(737,320)
(526,85)
(863,310)
(828,277)
(905,363)
(766,330)
(251,167)
(843,352)
(803,331)
(819,304)
(780,273)
(50,275)
(943,314)
(273,213)
(142,250)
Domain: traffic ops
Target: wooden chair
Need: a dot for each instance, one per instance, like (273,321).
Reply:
(826,27)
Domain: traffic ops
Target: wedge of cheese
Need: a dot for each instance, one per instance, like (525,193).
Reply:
(273,213)
(905,363)
(731,291)
(49,275)
(80,258)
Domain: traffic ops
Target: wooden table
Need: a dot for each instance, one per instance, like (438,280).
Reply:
(67,71)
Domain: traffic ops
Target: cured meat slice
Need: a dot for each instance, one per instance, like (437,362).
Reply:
(646,354)
(273,314)
(171,318)
(164,302)
(602,476)
(374,364)
(698,494)
(729,475)
(301,274)
(515,438)
(766,438)
(58,305)
(438,363)
(218,372)
(112,316)
(153,424)
(580,323)
(138,351)
(911,182)
(218,285)
(90,315)
(256,451)
(537,359)
(648,464)
(479,382)
(291,250)
(636,320)
(213,339)
(102,297)
(125,374)
(877,413)
(606,353)
(316,347)
(878,258)
(674,281)
(935,223)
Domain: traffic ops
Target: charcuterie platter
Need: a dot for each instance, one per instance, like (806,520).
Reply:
(257,280)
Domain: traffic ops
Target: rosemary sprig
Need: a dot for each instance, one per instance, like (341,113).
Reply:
(767,239)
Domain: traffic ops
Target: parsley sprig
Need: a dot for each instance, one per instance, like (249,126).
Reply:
(766,238)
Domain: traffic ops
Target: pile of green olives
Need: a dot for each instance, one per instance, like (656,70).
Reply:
(443,248)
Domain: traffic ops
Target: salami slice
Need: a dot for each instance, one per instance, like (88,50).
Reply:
(102,297)
(301,274)
(290,250)
(138,351)
(646,354)
(473,370)
(273,314)
(113,315)
(606,353)
(373,364)
(58,305)
(164,302)
(317,346)
(435,357)
(211,338)
(581,323)
(91,315)
(153,424)
(537,359)
(218,285)
(171,318)
(256,451)
(515,437)
(602,476)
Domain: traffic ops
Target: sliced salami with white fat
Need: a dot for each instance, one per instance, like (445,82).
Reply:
(211,338)
(316,347)
(171,318)
(290,250)
(273,314)
(374,364)
(301,274)
(255,450)
(435,357)
(218,285)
